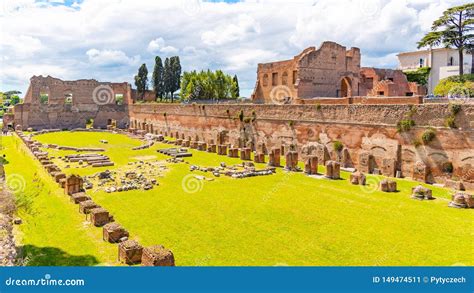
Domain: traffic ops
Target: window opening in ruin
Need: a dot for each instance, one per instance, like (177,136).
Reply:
(265,80)
(119,99)
(294,76)
(275,78)
(284,78)
(68,99)
(409,94)
(422,62)
(391,79)
(451,61)
(382,93)
(44,99)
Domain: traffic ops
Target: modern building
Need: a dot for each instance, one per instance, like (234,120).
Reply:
(444,62)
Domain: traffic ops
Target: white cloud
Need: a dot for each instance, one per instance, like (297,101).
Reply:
(244,27)
(158,45)
(110,58)
(108,39)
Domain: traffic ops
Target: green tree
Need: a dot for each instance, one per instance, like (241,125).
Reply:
(176,75)
(207,85)
(141,80)
(453,29)
(167,77)
(157,78)
(236,91)
(15,99)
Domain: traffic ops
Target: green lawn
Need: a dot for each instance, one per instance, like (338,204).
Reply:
(282,219)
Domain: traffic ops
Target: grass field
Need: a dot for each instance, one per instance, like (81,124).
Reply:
(282,219)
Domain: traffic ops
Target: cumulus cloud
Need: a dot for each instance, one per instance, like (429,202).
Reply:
(109,39)
(158,45)
(111,58)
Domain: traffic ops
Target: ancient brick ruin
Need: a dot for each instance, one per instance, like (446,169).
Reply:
(329,71)
(361,114)
(51,103)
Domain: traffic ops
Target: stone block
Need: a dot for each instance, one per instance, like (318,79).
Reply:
(157,256)
(333,170)
(421,193)
(86,206)
(457,185)
(222,150)
(259,157)
(291,160)
(130,252)
(245,154)
(113,232)
(311,165)
(79,197)
(274,157)
(358,178)
(99,217)
(212,148)
(387,185)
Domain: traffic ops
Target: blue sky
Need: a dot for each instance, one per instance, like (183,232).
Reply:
(109,39)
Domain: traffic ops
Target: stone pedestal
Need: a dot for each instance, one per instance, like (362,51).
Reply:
(222,150)
(421,193)
(157,256)
(79,197)
(130,252)
(311,165)
(233,152)
(387,185)
(87,205)
(259,157)
(389,167)
(113,232)
(291,160)
(245,154)
(202,146)
(358,178)
(333,170)
(212,148)
(99,217)
(274,157)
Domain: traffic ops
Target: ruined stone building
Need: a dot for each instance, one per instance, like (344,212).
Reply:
(329,71)
(54,103)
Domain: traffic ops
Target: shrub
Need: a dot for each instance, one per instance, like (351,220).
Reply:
(454,109)
(318,106)
(428,136)
(291,123)
(405,125)
(417,143)
(450,122)
(455,85)
(338,146)
(419,76)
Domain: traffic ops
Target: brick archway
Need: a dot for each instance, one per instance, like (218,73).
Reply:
(346,87)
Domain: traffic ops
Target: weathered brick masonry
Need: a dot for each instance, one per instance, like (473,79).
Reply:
(364,130)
